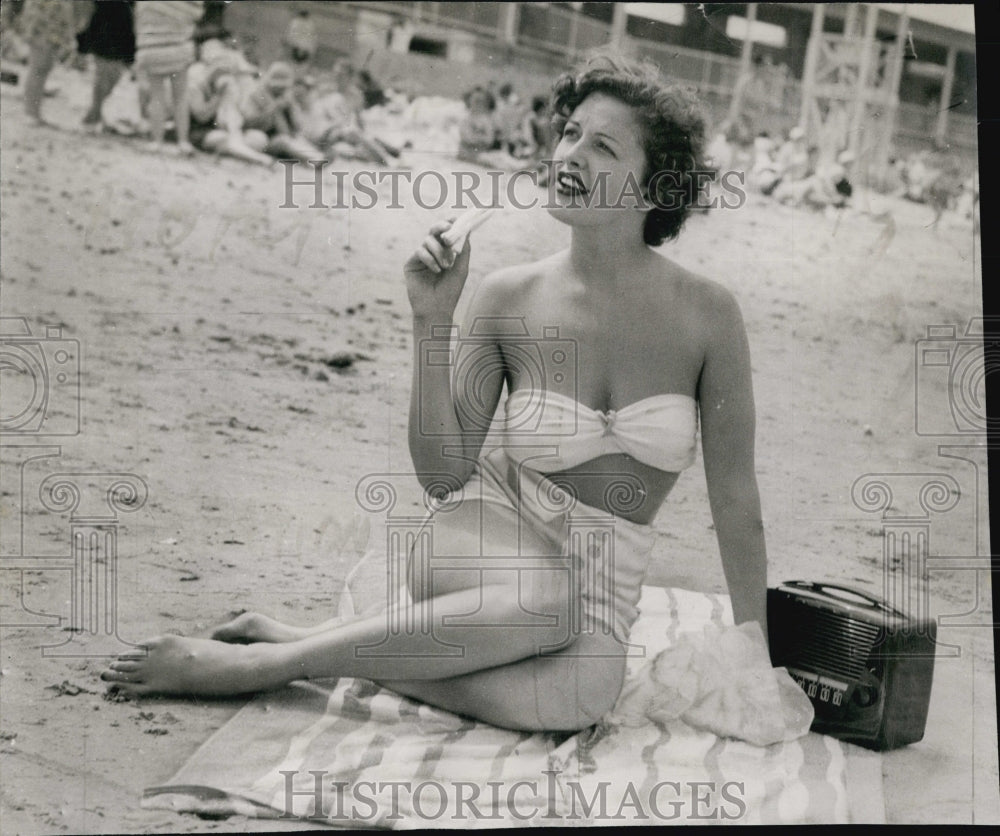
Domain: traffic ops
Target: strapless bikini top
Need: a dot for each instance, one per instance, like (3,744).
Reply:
(549,432)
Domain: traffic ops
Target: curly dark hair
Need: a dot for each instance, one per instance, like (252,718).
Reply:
(673,133)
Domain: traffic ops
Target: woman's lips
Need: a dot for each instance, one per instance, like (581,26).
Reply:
(570,184)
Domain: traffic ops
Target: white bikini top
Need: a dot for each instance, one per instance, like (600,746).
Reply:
(549,432)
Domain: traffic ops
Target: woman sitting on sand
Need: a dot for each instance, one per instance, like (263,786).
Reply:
(478,135)
(334,123)
(215,82)
(590,444)
(268,105)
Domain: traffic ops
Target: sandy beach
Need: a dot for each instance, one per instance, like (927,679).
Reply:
(249,365)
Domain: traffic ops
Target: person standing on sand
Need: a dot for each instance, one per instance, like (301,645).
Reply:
(49,27)
(110,38)
(164,50)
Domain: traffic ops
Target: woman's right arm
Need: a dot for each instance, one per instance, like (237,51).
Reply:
(442,442)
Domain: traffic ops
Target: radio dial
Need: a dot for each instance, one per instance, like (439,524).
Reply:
(865,695)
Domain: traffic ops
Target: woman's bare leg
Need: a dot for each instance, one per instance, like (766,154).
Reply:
(40,63)
(285,146)
(157,108)
(252,627)
(182,117)
(374,152)
(458,533)
(497,646)
(233,145)
(563,691)
(106,75)
(443,637)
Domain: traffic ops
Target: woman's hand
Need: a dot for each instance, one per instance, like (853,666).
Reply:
(435,275)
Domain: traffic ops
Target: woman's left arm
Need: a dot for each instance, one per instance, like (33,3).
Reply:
(725,395)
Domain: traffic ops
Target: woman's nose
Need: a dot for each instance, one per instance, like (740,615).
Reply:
(573,154)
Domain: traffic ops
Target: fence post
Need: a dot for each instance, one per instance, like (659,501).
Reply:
(618,22)
(736,103)
(809,73)
(862,89)
(892,91)
(941,130)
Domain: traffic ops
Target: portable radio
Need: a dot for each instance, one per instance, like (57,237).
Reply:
(866,667)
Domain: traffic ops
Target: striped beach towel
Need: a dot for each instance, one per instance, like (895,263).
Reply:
(349,753)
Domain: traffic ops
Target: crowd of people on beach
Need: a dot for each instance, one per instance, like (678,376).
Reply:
(794,172)
(197,91)
(500,131)
(791,172)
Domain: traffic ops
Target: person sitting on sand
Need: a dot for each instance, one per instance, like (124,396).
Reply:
(659,353)
(793,156)
(268,105)
(334,123)
(215,83)
(826,184)
(720,153)
(478,138)
(764,173)
(537,129)
(509,120)
(791,162)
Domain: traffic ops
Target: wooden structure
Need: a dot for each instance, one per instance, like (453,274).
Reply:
(850,88)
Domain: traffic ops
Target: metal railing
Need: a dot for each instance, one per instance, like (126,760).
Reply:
(555,37)
(561,31)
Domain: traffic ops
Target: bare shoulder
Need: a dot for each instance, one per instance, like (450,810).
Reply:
(706,304)
(510,288)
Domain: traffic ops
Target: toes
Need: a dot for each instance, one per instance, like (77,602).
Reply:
(120,677)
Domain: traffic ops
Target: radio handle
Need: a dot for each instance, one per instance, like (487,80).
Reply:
(823,585)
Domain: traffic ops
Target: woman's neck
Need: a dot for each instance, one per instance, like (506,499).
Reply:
(599,256)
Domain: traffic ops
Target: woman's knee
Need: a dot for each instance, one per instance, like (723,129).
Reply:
(255,139)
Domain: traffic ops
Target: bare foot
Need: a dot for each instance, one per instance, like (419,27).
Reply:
(190,667)
(250,627)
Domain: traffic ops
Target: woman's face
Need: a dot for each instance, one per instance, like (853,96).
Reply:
(600,163)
